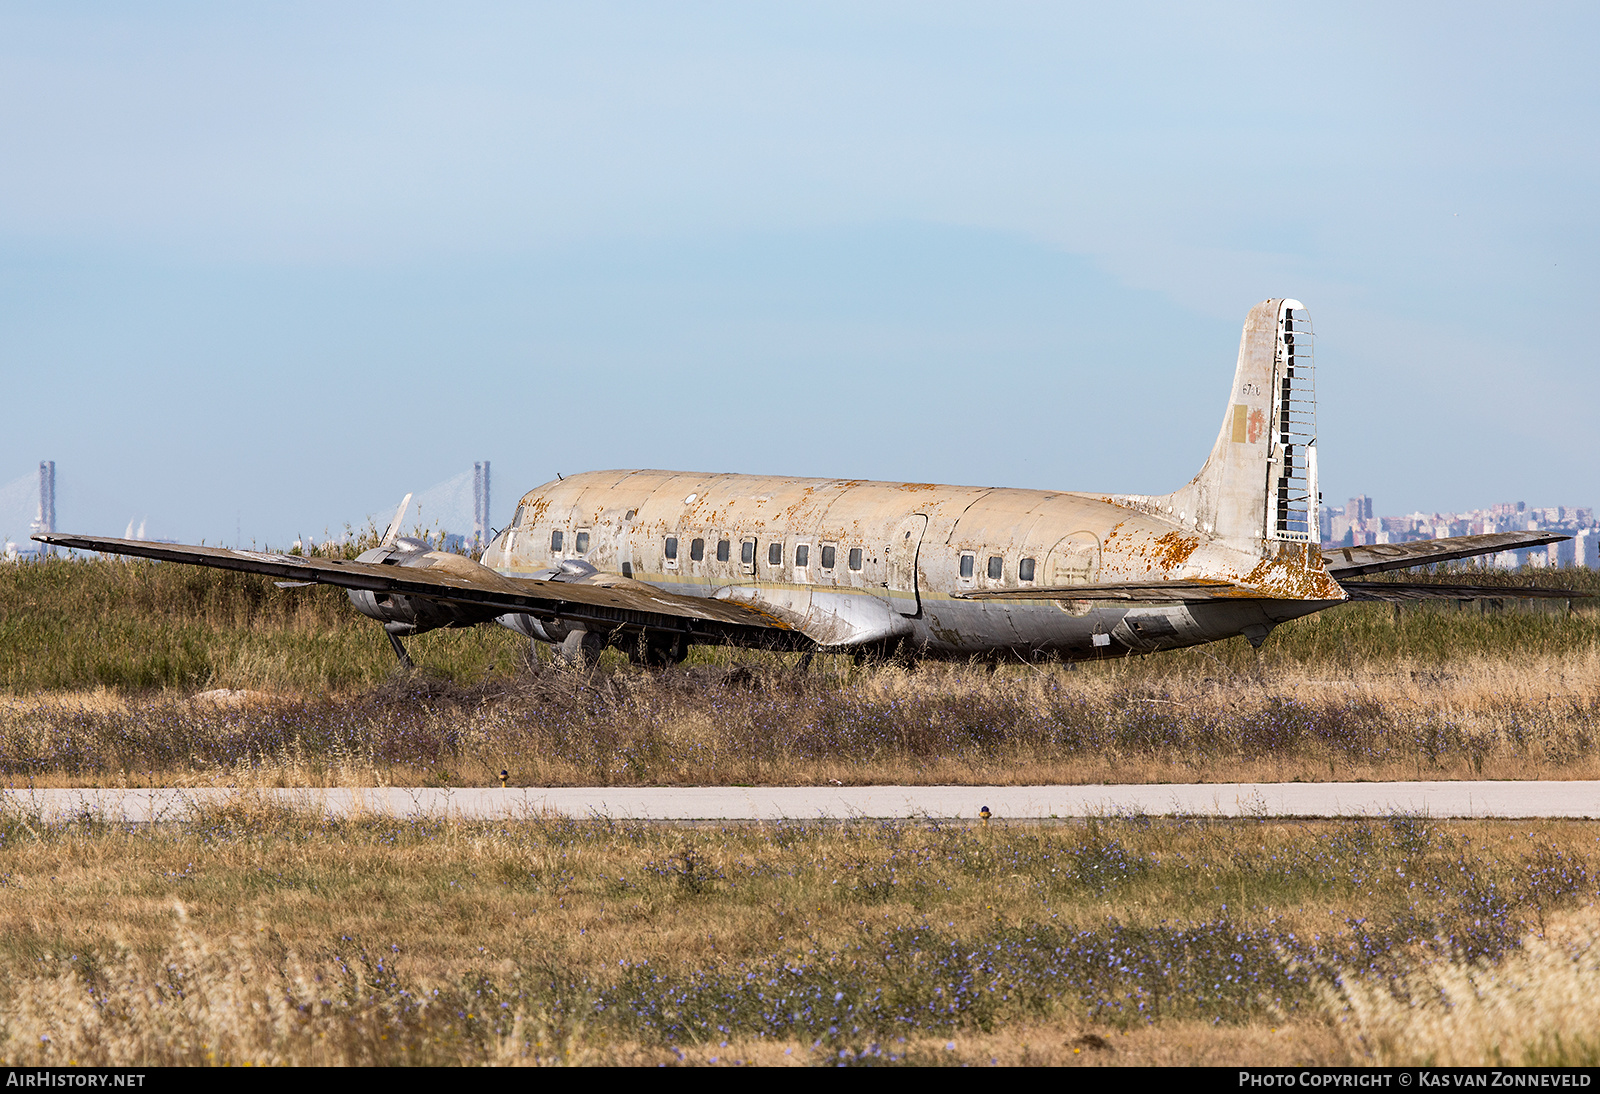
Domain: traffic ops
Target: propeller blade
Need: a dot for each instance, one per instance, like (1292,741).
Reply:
(394,527)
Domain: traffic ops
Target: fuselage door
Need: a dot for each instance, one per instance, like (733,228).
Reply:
(900,564)
(1075,560)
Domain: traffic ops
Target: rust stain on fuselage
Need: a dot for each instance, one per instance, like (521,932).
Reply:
(1295,571)
(535,506)
(1174,549)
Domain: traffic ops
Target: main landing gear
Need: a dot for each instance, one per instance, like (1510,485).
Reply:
(656,650)
(399,650)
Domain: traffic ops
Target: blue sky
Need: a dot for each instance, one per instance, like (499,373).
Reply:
(263,269)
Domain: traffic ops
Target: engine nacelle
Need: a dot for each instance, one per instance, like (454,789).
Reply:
(553,631)
(403,615)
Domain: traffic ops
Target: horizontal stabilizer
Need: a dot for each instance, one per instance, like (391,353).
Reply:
(1375,558)
(1140,591)
(1399,591)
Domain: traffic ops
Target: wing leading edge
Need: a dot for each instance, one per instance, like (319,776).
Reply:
(620,604)
(1374,558)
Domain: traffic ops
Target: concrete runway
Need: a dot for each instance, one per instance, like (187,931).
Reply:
(719,803)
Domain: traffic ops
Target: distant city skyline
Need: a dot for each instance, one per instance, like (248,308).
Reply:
(1357,524)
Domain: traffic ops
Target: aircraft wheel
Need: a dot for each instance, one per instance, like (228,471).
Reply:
(658,650)
(581,649)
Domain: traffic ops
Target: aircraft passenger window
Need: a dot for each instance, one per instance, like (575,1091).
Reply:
(1025,570)
(672,547)
(827,558)
(555,540)
(855,558)
(775,555)
(966,566)
(747,552)
(997,567)
(630,515)
(697,549)
(802,556)
(722,550)
(581,543)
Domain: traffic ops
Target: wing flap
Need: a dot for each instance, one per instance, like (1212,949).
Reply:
(1376,558)
(632,603)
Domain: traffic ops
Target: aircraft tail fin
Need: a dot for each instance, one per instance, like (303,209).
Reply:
(1258,488)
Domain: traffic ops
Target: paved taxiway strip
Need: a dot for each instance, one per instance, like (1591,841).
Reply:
(734,803)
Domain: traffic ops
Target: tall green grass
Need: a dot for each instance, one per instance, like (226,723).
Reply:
(142,626)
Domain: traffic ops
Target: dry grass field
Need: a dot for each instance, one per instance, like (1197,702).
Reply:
(253,934)
(761,723)
(144,673)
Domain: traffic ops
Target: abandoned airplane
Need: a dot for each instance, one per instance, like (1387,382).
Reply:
(656,561)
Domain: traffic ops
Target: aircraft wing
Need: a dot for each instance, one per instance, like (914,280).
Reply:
(623,604)
(1142,591)
(1343,562)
